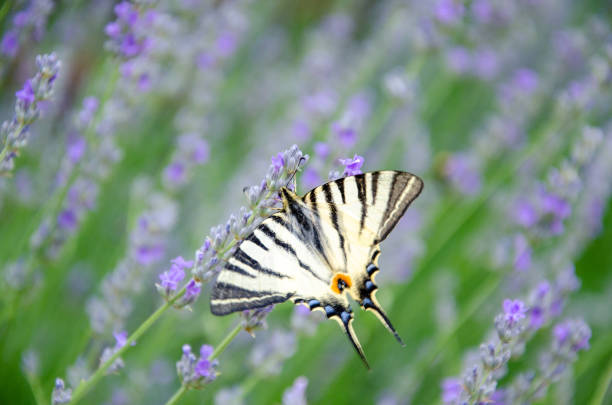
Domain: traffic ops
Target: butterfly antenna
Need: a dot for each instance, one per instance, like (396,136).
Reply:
(345,320)
(372,304)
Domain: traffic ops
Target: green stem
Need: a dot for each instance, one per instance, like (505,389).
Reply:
(36,388)
(226,341)
(602,386)
(177,395)
(86,386)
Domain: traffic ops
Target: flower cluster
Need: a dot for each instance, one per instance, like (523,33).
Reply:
(170,279)
(61,394)
(480,380)
(568,338)
(126,32)
(262,198)
(14,133)
(28,23)
(195,372)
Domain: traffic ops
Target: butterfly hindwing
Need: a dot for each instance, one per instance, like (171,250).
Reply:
(317,247)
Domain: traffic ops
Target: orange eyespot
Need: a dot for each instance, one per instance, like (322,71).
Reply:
(340,282)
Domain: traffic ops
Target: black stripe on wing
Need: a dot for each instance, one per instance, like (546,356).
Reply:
(247,260)
(405,187)
(334,215)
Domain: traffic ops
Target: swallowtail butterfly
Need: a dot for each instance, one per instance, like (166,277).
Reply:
(319,247)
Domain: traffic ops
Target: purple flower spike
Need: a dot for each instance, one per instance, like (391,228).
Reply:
(353,166)
(514,310)
(27,93)
(278,162)
(175,172)
(561,333)
(321,149)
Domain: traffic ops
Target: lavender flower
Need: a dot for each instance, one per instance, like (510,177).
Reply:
(29,24)
(296,394)
(480,379)
(195,372)
(14,134)
(352,166)
(223,238)
(170,279)
(61,394)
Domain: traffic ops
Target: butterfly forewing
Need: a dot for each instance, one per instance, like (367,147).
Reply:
(317,247)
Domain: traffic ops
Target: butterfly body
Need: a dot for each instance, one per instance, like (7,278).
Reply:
(318,248)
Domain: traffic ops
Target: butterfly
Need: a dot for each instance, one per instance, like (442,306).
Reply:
(319,247)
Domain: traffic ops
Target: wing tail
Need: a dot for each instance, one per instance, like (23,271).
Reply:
(345,320)
(371,304)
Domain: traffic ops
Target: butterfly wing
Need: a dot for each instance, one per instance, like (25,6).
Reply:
(288,256)
(363,209)
(317,246)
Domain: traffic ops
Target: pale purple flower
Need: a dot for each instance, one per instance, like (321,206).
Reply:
(182,263)
(522,253)
(482,10)
(129,46)
(226,43)
(125,11)
(514,310)
(121,339)
(524,213)
(175,172)
(113,29)
(67,219)
(205,368)
(525,80)
(26,94)
(346,134)
(352,166)
(170,279)
(278,162)
(10,43)
(448,11)
(149,254)
(192,291)
(296,394)
(321,149)
(75,149)
(451,390)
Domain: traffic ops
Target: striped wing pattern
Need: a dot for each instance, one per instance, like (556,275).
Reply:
(317,248)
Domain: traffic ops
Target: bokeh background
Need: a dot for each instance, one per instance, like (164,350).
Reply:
(141,130)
